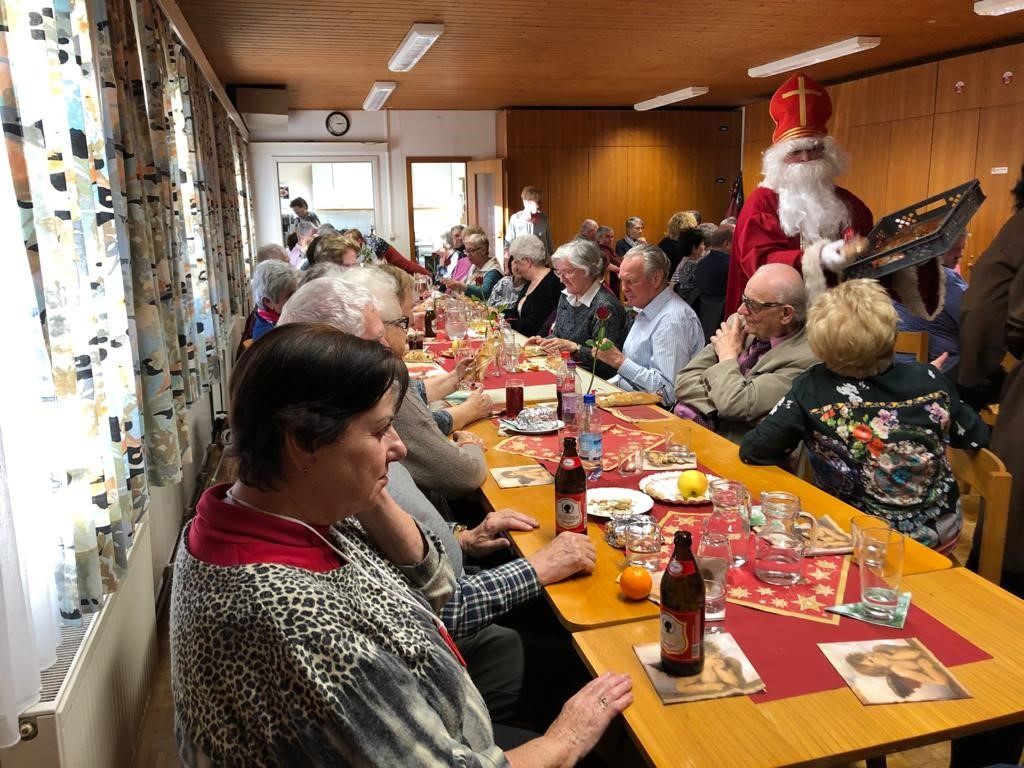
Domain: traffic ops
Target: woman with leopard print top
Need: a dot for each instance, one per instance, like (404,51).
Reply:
(303,616)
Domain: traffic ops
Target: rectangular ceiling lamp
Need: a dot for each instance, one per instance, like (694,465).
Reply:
(416,43)
(818,55)
(682,94)
(997,7)
(379,93)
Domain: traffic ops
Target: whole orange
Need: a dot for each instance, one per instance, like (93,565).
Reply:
(635,582)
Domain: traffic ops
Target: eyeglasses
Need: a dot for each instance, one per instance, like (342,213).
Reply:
(399,322)
(477,249)
(753,306)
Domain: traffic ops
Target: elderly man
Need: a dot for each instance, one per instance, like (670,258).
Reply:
(634,236)
(753,358)
(666,333)
(493,654)
(304,232)
(588,230)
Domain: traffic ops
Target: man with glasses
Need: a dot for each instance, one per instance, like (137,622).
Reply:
(753,358)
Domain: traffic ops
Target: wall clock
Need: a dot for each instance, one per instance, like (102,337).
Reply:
(338,124)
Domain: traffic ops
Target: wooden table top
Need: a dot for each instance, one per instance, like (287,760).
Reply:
(830,727)
(591,601)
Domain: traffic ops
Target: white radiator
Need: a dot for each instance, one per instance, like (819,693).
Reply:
(94,698)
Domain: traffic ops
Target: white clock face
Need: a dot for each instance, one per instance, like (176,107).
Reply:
(337,123)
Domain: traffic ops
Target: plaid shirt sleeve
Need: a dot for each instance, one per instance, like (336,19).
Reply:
(480,598)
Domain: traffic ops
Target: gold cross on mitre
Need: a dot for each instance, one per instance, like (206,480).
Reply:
(803,92)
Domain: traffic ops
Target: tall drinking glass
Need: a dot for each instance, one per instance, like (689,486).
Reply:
(860,523)
(456,322)
(881,569)
(714,556)
(731,516)
(643,543)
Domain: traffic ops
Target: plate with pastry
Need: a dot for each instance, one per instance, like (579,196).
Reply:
(532,350)
(666,488)
(608,503)
(418,356)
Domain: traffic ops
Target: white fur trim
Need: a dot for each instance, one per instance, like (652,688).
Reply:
(811,268)
(832,257)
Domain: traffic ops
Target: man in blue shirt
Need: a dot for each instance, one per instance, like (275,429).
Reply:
(944,331)
(665,334)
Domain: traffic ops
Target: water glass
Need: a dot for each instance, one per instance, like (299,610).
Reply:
(632,458)
(881,569)
(572,404)
(860,523)
(730,516)
(714,556)
(643,543)
(456,324)
(677,444)
(509,356)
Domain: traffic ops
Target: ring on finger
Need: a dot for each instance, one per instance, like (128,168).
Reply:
(603,702)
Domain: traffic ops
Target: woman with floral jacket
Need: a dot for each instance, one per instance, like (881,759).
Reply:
(876,433)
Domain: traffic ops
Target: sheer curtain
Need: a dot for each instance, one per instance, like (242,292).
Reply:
(28,546)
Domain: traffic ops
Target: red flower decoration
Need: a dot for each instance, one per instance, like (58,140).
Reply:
(603,313)
(479,280)
(863,432)
(875,447)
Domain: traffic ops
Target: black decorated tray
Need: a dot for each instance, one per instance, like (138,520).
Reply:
(919,232)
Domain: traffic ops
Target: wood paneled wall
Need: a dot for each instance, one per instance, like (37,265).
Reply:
(609,165)
(915,132)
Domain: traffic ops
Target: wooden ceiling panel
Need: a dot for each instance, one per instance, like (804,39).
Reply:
(599,53)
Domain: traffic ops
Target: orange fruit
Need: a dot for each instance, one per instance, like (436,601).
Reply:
(635,582)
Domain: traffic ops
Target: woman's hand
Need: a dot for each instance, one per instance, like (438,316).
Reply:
(489,536)
(554,345)
(462,438)
(454,285)
(477,406)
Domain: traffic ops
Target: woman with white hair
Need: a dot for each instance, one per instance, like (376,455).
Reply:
(534,308)
(584,306)
(485,272)
(273,283)
(876,432)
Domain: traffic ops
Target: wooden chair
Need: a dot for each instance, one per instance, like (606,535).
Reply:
(985,473)
(913,343)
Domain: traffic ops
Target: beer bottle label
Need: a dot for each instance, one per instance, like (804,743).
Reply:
(681,568)
(680,640)
(571,512)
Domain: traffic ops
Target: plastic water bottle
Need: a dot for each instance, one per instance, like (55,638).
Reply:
(591,437)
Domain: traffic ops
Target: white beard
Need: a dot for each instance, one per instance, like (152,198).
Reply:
(808,204)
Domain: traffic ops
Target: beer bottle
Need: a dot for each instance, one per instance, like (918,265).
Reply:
(682,611)
(571,491)
(428,321)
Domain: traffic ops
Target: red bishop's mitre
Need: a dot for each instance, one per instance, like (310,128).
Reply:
(799,108)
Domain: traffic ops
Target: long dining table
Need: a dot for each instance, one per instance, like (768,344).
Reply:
(827,726)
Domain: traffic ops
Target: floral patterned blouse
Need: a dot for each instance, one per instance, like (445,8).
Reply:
(879,444)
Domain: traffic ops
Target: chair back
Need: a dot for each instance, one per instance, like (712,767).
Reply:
(985,472)
(913,343)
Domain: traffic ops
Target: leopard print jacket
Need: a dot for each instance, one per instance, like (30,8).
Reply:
(275,665)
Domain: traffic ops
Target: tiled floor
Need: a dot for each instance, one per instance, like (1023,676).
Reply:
(157,748)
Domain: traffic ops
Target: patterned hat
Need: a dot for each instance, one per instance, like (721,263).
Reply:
(800,108)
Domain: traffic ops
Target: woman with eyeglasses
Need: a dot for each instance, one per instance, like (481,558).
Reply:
(485,272)
(876,431)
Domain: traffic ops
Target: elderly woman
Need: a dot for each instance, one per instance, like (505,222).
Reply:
(273,283)
(669,244)
(584,306)
(303,624)
(485,272)
(363,304)
(684,278)
(534,309)
(377,249)
(337,249)
(507,289)
(876,432)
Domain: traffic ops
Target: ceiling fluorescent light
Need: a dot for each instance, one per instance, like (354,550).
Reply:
(818,55)
(379,93)
(997,7)
(416,43)
(691,92)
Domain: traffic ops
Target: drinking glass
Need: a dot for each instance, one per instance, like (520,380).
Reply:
(571,406)
(714,555)
(677,444)
(779,546)
(730,516)
(509,356)
(861,523)
(456,325)
(421,286)
(464,352)
(513,397)
(643,543)
(632,458)
(881,569)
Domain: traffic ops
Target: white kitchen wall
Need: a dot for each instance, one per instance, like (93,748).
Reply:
(389,136)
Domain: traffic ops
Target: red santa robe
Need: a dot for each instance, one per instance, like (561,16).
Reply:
(759,240)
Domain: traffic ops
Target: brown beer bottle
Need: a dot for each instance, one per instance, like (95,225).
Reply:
(428,321)
(682,611)
(571,491)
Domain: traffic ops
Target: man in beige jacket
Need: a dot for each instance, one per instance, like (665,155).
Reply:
(753,358)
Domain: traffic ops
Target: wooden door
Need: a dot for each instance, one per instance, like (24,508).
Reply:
(485,192)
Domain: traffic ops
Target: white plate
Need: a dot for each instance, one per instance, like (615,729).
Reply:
(641,502)
(508,426)
(663,487)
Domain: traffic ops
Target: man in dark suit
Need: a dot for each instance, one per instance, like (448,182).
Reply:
(710,277)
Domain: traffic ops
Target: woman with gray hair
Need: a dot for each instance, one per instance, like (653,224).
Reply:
(533,311)
(485,272)
(584,306)
(273,283)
